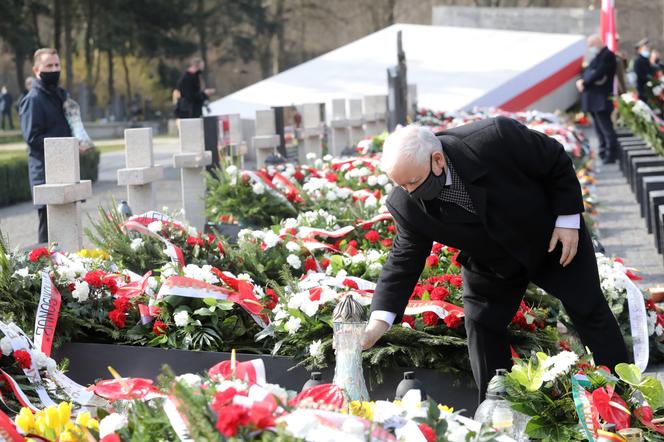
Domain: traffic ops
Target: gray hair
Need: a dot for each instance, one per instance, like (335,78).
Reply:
(412,143)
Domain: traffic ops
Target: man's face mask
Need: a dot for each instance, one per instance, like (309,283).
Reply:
(50,78)
(432,186)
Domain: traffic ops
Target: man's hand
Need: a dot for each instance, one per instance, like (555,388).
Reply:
(375,329)
(579,85)
(569,238)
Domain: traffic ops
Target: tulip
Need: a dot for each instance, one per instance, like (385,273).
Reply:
(64,411)
(25,420)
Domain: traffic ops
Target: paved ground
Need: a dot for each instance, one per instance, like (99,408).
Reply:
(19,222)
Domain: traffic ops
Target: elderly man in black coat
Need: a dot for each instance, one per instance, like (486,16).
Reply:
(42,116)
(509,199)
(596,87)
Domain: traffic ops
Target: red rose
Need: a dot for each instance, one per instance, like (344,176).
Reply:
(372,236)
(432,260)
(350,283)
(159,328)
(23,359)
(438,294)
(223,398)
(272,299)
(229,418)
(391,228)
(446,277)
(193,241)
(310,264)
(427,288)
(37,253)
(325,263)
(454,260)
(452,321)
(427,432)
(436,248)
(366,226)
(409,320)
(456,281)
(417,292)
(387,242)
(117,317)
(430,319)
(452,250)
(121,304)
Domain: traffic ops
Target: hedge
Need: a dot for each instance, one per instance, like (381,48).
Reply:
(15,183)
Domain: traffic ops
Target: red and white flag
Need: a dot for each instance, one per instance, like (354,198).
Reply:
(607,25)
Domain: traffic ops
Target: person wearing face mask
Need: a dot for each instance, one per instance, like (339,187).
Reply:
(508,198)
(42,116)
(642,67)
(191,96)
(596,88)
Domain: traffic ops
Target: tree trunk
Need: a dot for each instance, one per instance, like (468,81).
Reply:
(57,23)
(111,87)
(127,77)
(202,38)
(279,52)
(19,61)
(67,12)
(89,55)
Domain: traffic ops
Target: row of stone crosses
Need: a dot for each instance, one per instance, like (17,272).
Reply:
(64,190)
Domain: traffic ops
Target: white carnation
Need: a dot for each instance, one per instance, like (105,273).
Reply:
(292,246)
(189,379)
(316,349)
(271,239)
(382,179)
(81,291)
(6,346)
(290,223)
(112,423)
(24,272)
(181,318)
(155,226)
(311,156)
(258,188)
(293,325)
(372,180)
(294,261)
(136,243)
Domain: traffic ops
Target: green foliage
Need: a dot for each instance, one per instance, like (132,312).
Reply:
(644,127)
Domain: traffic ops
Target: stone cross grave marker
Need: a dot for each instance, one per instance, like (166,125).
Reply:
(340,127)
(266,139)
(140,172)
(355,121)
(191,161)
(311,133)
(63,193)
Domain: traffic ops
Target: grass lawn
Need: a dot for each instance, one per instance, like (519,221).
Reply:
(5,154)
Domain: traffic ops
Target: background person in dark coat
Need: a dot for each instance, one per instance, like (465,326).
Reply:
(596,87)
(509,199)
(42,116)
(642,67)
(6,101)
(192,96)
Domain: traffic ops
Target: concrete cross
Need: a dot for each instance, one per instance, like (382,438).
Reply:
(140,172)
(266,139)
(355,121)
(340,127)
(191,161)
(311,132)
(63,193)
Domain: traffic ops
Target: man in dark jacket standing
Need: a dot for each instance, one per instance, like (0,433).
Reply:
(42,116)
(192,96)
(596,87)
(642,67)
(509,199)
(6,101)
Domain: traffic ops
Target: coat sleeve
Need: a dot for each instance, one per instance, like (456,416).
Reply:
(543,159)
(32,123)
(605,68)
(401,271)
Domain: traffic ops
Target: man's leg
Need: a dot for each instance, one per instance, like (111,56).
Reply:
(605,124)
(490,303)
(43,225)
(11,121)
(578,287)
(601,148)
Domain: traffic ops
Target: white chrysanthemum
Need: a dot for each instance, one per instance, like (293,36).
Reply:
(331,196)
(293,325)
(112,423)
(316,349)
(181,318)
(189,379)
(155,226)
(270,239)
(136,243)
(24,272)
(292,246)
(294,261)
(41,360)
(6,346)
(309,308)
(290,223)
(258,188)
(81,291)
(559,364)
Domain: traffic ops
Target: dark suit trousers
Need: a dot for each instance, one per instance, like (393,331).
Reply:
(608,141)
(490,302)
(43,225)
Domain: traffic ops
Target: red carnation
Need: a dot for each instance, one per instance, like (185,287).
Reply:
(428,432)
(372,236)
(111,283)
(37,253)
(211,238)
(331,177)
(350,283)
(223,398)
(121,304)
(352,251)
(409,320)
(220,246)
(438,294)
(432,261)
(298,175)
(325,263)
(456,281)
(193,241)
(229,418)
(352,243)
(261,415)
(391,228)
(94,278)
(23,359)
(387,242)
(272,299)
(159,328)
(366,226)
(436,248)
(452,321)
(310,264)
(117,317)
(430,319)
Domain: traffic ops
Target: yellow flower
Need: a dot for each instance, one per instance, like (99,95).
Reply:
(362,409)
(52,417)
(68,436)
(25,420)
(445,408)
(64,411)
(93,424)
(83,418)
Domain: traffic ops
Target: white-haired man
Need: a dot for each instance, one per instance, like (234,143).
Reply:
(509,199)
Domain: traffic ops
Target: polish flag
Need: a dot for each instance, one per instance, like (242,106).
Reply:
(607,25)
